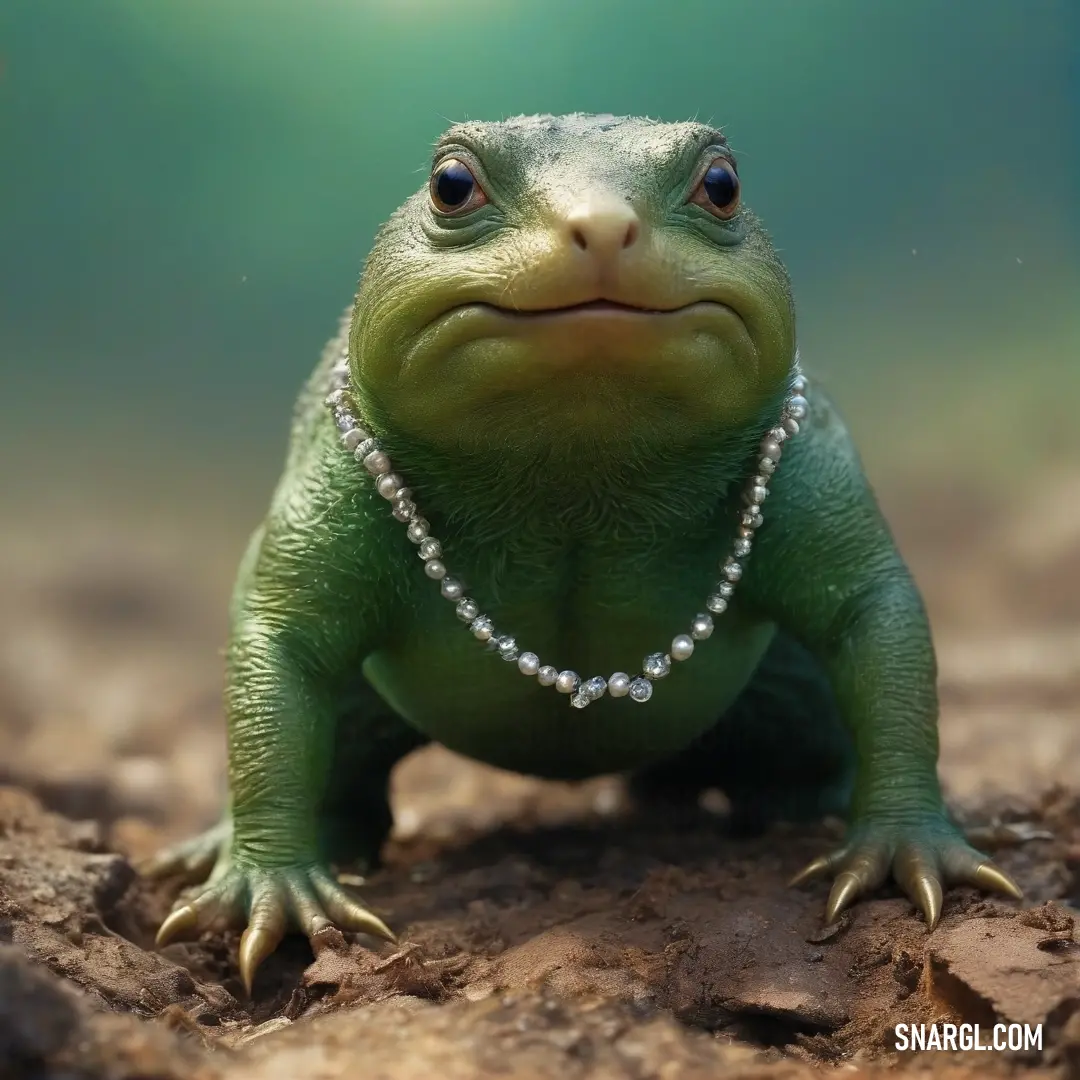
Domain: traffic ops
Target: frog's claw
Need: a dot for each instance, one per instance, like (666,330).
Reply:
(349,913)
(846,888)
(922,859)
(271,902)
(267,924)
(256,944)
(192,914)
(918,876)
(816,868)
(180,922)
(860,872)
(989,876)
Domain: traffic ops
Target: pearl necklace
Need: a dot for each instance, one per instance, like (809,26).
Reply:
(365,448)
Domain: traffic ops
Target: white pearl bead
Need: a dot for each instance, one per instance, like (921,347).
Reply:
(435,569)
(377,463)
(451,588)
(547,675)
(618,685)
(682,647)
(388,484)
(701,628)
(528,663)
(567,682)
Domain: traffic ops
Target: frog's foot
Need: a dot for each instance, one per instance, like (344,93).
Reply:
(923,857)
(270,901)
(194,859)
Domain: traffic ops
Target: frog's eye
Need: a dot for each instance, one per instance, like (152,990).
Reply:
(718,191)
(454,189)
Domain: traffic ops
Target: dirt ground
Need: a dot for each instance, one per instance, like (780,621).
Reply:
(548,930)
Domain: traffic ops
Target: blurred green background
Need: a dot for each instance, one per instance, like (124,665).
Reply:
(188,189)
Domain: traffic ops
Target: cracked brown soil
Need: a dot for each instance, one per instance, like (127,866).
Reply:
(548,930)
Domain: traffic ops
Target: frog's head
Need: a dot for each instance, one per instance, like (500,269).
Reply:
(561,274)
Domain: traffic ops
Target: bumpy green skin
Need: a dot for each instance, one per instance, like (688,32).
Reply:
(586,494)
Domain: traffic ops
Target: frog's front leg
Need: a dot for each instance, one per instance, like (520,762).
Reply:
(274,874)
(826,570)
(881,664)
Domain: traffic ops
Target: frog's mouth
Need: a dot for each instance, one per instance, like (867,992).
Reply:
(600,307)
(625,331)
